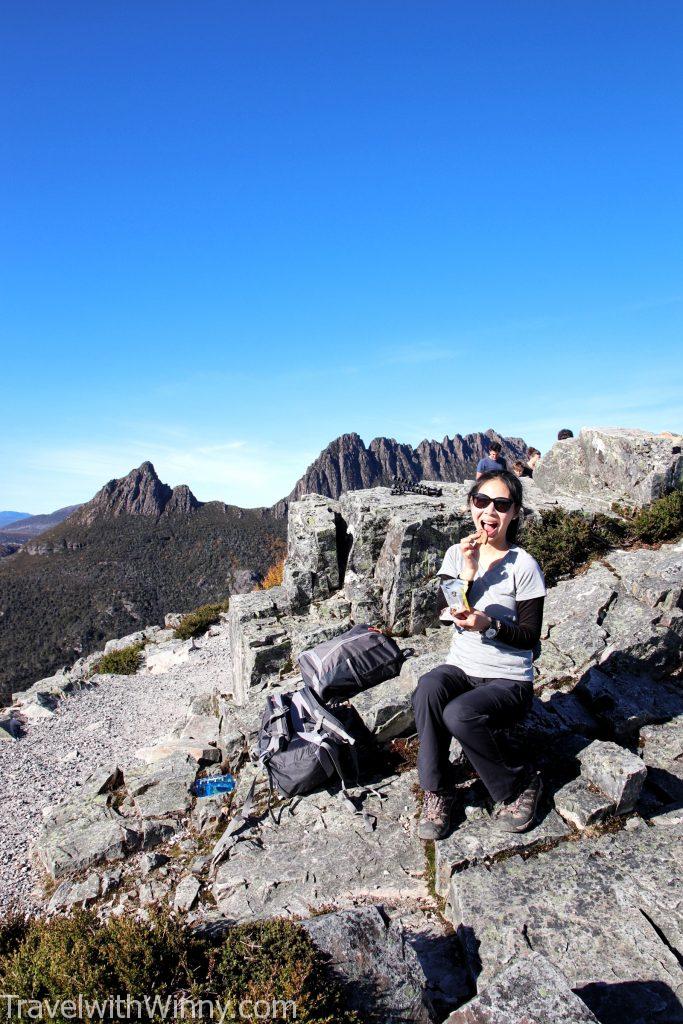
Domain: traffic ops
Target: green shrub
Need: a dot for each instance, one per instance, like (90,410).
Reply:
(562,541)
(64,956)
(277,960)
(197,622)
(660,521)
(59,958)
(125,662)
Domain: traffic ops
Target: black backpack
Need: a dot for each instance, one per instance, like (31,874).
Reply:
(303,746)
(358,659)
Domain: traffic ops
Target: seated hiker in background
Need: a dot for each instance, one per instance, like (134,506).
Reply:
(518,468)
(487,681)
(564,434)
(532,457)
(493,461)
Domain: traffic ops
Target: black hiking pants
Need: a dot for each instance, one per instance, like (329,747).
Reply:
(447,702)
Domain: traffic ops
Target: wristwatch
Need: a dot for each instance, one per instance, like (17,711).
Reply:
(492,632)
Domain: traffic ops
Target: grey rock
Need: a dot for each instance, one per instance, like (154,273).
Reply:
(124,641)
(186,894)
(529,990)
(573,634)
(173,619)
(162,789)
(386,709)
(625,702)
(91,835)
(372,957)
(397,544)
(320,854)
(604,911)
(153,893)
(477,840)
(312,567)
(663,756)
(261,649)
(582,806)
(632,466)
(151,861)
(653,577)
(615,771)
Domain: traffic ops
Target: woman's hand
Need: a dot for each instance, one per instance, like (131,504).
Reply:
(469,550)
(473,622)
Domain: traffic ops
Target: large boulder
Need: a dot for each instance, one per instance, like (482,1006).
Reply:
(260,647)
(613,464)
(314,567)
(398,544)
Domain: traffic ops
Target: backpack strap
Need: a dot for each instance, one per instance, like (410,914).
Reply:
(305,700)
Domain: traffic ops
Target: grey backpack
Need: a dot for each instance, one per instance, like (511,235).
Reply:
(303,746)
(361,657)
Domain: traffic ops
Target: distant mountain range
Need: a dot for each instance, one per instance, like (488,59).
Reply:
(16,532)
(12,517)
(140,548)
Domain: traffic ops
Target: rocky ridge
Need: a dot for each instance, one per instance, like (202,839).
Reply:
(576,920)
(348,465)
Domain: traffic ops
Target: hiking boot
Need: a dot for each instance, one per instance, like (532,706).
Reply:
(435,819)
(519,814)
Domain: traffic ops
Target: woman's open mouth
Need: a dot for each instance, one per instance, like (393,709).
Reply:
(490,528)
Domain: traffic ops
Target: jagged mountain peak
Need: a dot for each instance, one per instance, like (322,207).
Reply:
(347,464)
(139,493)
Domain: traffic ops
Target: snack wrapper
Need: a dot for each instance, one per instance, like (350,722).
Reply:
(455,592)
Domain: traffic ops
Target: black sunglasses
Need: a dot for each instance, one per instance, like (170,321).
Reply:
(500,504)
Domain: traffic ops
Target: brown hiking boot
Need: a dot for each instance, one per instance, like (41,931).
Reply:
(435,819)
(519,814)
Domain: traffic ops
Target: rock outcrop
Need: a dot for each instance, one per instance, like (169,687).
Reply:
(630,466)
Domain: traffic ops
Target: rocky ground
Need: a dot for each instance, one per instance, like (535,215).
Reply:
(100,725)
(577,920)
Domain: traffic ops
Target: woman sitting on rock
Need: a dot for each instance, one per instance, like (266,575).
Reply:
(487,682)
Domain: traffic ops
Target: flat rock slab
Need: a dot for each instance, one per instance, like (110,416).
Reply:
(163,789)
(653,577)
(606,912)
(321,855)
(529,991)
(478,840)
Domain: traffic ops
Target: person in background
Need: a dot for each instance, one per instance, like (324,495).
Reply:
(493,462)
(487,683)
(562,435)
(532,457)
(518,468)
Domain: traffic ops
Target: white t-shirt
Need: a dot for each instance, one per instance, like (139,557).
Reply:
(516,576)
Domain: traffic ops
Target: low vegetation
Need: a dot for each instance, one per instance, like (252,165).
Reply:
(197,622)
(124,662)
(61,958)
(274,576)
(562,542)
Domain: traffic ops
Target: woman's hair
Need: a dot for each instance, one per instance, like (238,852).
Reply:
(515,491)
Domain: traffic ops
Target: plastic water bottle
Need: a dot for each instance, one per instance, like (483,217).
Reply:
(214,785)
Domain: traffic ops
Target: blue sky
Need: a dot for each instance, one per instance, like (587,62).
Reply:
(231,232)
